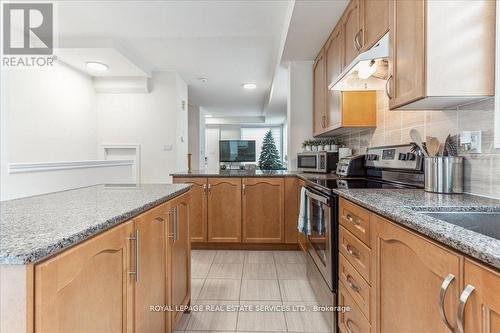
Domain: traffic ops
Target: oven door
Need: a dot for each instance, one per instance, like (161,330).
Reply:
(320,241)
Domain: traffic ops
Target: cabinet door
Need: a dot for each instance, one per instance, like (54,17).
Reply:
(409,273)
(263,210)
(375,18)
(224,209)
(179,250)
(150,287)
(197,209)
(351,27)
(482,308)
(292,203)
(334,64)
(88,287)
(407,52)
(319,91)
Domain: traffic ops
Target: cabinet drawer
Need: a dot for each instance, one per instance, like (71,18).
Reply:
(356,253)
(357,287)
(356,220)
(351,321)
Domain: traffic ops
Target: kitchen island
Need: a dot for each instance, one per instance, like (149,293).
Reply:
(95,257)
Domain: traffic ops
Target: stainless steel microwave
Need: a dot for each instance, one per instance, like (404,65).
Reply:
(317,161)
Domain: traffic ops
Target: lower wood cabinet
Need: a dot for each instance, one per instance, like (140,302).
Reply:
(263,212)
(409,272)
(198,207)
(87,288)
(224,210)
(292,205)
(481,309)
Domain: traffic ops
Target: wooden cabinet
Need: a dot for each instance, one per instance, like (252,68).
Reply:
(263,210)
(179,258)
(482,307)
(351,27)
(291,207)
(375,21)
(150,287)
(428,42)
(409,272)
(87,288)
(198,208)
(319,91)
(224,210)
(333,53)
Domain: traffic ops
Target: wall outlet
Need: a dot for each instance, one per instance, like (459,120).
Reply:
(470,142)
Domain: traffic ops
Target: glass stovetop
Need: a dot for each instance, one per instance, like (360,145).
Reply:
(357,183)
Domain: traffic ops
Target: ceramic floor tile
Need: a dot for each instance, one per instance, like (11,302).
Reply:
(308,320)
(296,290)
(291,271)
(258,319)
(230,257)
(260,290)
(196,285)
(289,257)
(259,257)
(216,316)
(259,271)
(225,271)
(199,270)
(220,289)
(203,256)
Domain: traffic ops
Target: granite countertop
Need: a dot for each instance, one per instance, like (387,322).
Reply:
(36,227)
(236,173)
(404,206)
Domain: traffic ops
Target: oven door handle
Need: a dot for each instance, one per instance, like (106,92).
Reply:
(317,197)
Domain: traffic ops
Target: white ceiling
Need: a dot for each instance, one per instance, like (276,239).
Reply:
(228,42)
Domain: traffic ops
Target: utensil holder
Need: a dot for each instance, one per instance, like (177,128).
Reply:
(444,174)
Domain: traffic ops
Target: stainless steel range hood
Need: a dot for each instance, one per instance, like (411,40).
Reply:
(368,71)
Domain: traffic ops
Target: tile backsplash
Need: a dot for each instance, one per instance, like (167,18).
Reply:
(481,171)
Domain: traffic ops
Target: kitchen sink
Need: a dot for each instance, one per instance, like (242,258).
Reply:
(486,223)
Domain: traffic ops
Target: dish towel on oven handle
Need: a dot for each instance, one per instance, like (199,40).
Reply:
(304,222)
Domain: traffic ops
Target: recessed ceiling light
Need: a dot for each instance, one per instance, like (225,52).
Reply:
(97,66)
(203,79)
(249,85)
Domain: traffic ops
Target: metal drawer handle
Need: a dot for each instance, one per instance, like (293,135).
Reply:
(209,188)
(357,44)
(136,239)
(170,213)
(352,219)
(159,219)
(351,284)
(243,187)
(205,189)
(442,295)
(387,87)
(464,297)
(352,251)
(176,224)
(348,325)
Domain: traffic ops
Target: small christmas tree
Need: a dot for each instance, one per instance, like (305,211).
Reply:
(269,156)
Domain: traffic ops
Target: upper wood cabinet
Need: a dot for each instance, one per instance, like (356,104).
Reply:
(198,207)
(319,91)
(150,287)
(179,258)
(441,53)
(482,307)
(87,288)
(224,209)
(351,27)
(263,210)
(334,63)
(375,22)
(409,274)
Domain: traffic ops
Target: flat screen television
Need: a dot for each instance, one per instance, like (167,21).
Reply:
(237,150)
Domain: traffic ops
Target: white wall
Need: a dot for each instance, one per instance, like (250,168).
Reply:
(230,132)
(48,115)
(156,121)
(194,136)
(299,108)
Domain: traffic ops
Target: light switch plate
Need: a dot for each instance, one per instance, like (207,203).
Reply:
(167,147)
(470,142)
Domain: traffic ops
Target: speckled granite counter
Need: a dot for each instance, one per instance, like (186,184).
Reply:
(36,227)
(403,206)
(236,173)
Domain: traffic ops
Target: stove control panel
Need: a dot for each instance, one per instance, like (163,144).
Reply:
(393,157)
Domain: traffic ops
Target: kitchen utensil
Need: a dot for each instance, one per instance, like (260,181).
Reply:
(444,174)
(450,145)
(441,149)
(415,136)
(432,146)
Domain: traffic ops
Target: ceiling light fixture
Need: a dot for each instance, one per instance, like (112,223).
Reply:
(249,85)
(203,79)
(97,66)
